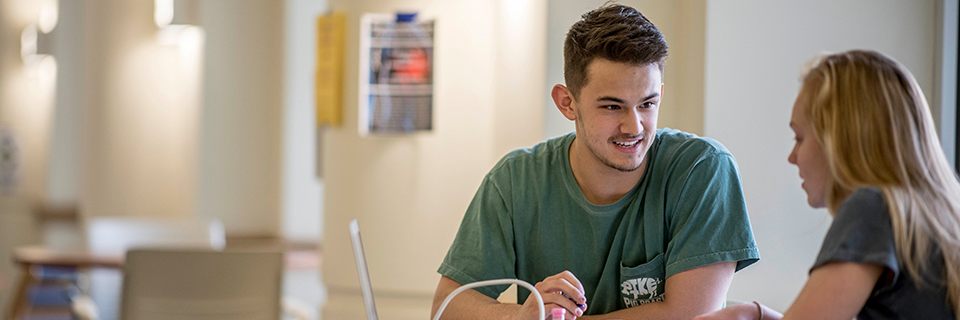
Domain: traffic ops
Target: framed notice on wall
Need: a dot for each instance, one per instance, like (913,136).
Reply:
(9,162)
(396,74)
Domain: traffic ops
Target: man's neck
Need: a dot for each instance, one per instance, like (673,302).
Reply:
(600,183)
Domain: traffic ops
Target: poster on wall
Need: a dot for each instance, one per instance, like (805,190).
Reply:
(9,162)
(329,74)
(396,74)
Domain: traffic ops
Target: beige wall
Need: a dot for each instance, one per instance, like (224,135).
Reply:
(409,192)
(142,112)
(684,27)
(682,24)
(26,109)
(124,137)
(26,102)
(240,136)
(154,145)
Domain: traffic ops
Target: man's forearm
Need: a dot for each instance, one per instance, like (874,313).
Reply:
(470,310)
(470,304)
(686,295)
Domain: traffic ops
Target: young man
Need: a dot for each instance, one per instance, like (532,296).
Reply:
(617,219)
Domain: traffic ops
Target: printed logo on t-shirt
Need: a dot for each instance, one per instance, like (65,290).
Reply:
(641,291)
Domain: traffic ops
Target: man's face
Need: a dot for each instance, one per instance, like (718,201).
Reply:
(616,113)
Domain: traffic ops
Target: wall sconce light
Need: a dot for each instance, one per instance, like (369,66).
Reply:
(175,12)
(177,20)
(36,43)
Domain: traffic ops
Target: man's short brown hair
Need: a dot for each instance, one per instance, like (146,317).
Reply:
(613,32)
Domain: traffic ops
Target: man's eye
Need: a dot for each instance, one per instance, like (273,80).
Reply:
(647,105)
(611,107)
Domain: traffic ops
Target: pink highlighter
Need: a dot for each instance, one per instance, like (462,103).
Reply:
(558,313)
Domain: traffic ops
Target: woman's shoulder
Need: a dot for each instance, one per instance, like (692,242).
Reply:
(866,202)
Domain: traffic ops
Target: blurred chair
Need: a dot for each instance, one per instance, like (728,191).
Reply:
(201,284)
(117,235)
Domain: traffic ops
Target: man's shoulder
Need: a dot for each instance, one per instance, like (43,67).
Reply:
(678,145)
(543,154)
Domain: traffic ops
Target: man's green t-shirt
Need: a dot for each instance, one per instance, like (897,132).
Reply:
(529,220)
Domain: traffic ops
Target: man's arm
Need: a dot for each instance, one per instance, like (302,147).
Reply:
(471,304)
(686,295)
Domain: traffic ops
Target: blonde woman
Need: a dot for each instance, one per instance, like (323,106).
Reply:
(866,150)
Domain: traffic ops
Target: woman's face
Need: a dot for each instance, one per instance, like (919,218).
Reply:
(808,155)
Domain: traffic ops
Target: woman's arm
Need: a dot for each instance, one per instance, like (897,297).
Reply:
(836,290)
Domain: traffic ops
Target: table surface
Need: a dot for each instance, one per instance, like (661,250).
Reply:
(39,255)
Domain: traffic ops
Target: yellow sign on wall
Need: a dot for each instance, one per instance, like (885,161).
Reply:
(329,76)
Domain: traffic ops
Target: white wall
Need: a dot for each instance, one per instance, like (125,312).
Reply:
(63,169)
(754,52)
(945,116)
(302,189)
(561,14)
(410,192)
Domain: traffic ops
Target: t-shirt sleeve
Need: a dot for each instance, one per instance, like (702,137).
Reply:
(861,232)
(708,222)
(483,248)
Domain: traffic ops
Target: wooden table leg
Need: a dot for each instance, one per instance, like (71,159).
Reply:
(20,301)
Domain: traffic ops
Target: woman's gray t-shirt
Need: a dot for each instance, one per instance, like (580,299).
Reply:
(861,232)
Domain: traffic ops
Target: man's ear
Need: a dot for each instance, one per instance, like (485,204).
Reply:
(564,101)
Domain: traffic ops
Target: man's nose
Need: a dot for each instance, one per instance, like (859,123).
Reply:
(631,123)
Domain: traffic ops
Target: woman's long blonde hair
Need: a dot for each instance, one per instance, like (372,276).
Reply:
(875,127)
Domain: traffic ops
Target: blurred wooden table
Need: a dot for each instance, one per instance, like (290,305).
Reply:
(32,257)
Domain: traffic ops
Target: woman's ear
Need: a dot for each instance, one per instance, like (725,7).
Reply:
(563,98)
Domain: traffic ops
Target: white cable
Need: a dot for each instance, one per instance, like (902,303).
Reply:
(519,282)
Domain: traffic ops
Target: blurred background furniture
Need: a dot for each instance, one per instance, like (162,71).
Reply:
(114,236)
(99,264)
(300,269)
(202,284)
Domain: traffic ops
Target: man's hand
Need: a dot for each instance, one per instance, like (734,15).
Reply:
(555,289)
(472,304)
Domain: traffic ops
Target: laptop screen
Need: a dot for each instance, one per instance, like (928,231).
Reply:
(365,286)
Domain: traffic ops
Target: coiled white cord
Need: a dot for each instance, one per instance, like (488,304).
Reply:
(495,282)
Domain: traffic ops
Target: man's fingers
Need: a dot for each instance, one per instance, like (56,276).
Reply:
(561,285)
(567,275)
(557,300)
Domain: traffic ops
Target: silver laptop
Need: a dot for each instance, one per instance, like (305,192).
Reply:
(362,271)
